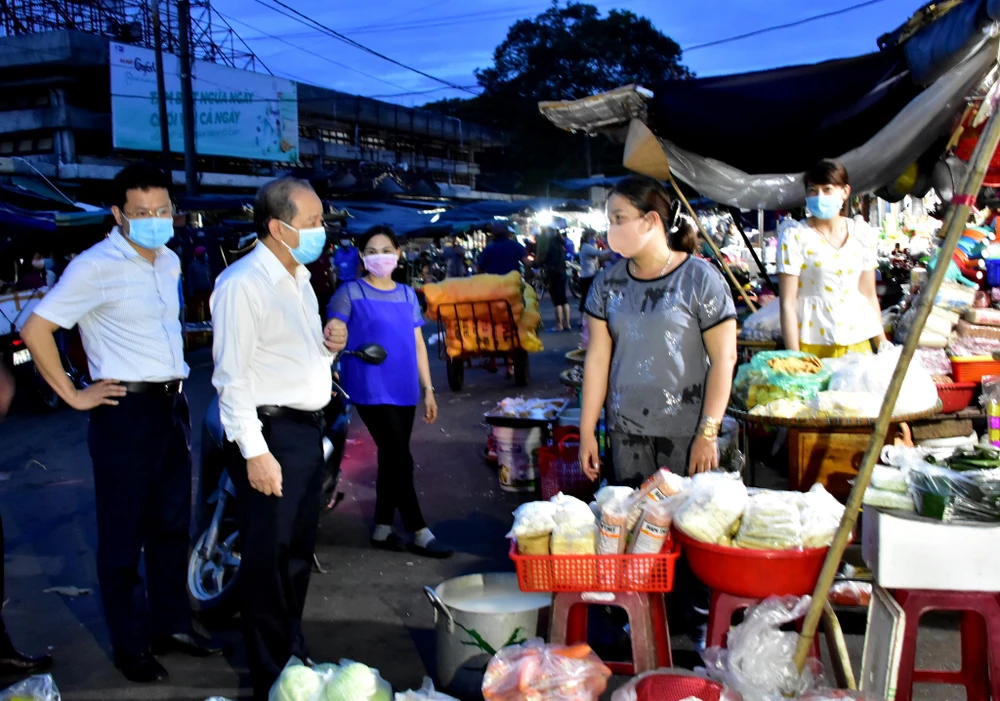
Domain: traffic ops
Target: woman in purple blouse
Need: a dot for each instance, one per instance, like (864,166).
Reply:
(378,310)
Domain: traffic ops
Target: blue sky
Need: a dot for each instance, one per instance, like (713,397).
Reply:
(449,39)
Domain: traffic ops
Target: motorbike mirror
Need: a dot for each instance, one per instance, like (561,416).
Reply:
(373,354)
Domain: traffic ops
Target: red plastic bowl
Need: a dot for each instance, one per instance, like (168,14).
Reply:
(675,687)
(955,396)
(754,574)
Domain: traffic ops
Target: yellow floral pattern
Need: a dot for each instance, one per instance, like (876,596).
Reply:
(832,309)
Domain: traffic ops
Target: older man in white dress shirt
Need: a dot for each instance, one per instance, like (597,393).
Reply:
(123,293)
(272,371)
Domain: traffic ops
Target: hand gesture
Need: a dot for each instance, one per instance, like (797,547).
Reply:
(102,393)
(335,335)
(704,455)
(430,407)
(264,474)
(590,457)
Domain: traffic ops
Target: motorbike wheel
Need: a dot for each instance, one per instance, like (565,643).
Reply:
(456,374)
(47,397)
(574,286)
(522,369)
(540,285)
(213,577)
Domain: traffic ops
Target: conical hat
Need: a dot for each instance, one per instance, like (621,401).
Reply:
(643,153)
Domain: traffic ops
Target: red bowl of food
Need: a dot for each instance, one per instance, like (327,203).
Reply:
(955,396)
(754,574)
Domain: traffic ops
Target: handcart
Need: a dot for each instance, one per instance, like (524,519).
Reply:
(486,330)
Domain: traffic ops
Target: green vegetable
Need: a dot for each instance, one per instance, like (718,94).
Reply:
(297,683)
(354,682)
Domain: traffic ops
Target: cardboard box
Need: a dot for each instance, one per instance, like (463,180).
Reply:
(906,551)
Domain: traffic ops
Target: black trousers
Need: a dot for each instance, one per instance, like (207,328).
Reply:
(391,427)
(141,450)
(585,284)
(279,538)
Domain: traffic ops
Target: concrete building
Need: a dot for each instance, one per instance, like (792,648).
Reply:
(55,116)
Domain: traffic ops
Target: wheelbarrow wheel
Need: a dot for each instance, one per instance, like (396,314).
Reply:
(521,368)
(456,374)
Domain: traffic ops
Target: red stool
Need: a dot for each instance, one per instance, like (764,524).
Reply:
(980,673)
(647,618)
(720,618)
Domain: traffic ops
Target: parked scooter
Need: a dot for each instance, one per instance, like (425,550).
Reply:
(214,565)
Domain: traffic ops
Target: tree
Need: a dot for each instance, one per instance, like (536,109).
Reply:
(567,52)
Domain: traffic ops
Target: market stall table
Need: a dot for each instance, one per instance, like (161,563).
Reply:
(823,451)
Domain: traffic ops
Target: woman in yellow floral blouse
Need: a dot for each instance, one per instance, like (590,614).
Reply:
(826,268)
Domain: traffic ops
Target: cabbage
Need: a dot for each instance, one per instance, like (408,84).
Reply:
(354,682)
(297,683)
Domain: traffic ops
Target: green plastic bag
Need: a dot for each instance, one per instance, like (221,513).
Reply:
(758,384)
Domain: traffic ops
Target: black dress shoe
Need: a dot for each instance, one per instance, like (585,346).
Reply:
(188,644)
(393,543)
(141,669)
(14,663)
(434,549)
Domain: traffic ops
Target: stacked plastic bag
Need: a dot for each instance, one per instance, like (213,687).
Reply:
(535,671)
(764,324)
(771,522)
(350,681)
(713,508)
(475,314)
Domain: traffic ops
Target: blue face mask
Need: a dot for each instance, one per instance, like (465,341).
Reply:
(824,206)
(151,232)
(311,242)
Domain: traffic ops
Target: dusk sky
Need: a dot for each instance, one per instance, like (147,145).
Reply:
(449,39)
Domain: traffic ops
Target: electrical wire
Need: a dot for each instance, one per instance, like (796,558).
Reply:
(304,19)
(787,25)
(237,35)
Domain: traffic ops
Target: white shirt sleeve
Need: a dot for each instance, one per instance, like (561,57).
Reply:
(234,332)
(78,292)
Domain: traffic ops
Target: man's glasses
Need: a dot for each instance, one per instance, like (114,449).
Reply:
(160,213)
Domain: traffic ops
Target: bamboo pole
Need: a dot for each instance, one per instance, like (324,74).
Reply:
(958,215)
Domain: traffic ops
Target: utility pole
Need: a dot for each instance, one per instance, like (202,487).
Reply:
(161,91)
(187,96)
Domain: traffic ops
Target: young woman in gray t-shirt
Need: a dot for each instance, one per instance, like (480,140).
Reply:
(662,343)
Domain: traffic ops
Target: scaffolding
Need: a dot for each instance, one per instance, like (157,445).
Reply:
(131,22)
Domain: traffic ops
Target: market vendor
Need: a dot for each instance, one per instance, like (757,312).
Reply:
(662,343)
(826,268)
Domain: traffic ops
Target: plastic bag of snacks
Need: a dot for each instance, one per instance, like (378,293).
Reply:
(775,375)
(713,508)
(534,670)
(757,661)
(426,692)
(38,688)
(771,522)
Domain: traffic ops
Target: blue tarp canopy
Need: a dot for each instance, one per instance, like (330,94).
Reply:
(364,215)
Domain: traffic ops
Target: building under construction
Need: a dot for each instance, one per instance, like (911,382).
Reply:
(56,107)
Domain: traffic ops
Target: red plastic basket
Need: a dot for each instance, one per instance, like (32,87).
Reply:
(753,573)
(974,368)
(675,687)
(559,470)
(955,396)
(550,573)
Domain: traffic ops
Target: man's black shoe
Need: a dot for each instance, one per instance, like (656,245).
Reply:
(14,663)
(141,669)
(188,644)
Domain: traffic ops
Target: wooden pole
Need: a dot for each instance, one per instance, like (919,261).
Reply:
(715,249)
(955,222)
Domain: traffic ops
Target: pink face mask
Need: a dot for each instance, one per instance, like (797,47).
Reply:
(381,264)
(628,239)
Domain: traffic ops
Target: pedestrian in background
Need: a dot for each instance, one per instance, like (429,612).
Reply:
(123,293)
(551,258)
(375,309)
(272,372)
(200,284)
(504,255)
(346,262)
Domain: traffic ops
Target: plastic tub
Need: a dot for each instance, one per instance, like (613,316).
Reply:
(517,455)
(754,574)
(974,368)
(955,396)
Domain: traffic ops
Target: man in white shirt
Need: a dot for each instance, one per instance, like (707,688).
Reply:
(123,294)
(273,375)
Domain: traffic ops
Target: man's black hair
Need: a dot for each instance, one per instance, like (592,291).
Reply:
(274,201)
(137,176)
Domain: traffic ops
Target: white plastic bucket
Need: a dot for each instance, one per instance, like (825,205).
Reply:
(517,457)
(569,417)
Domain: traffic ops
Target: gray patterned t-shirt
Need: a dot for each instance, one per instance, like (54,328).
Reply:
(659,363)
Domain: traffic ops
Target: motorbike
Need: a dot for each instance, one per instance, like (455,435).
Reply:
(573,274)
(15,355)
(214,564)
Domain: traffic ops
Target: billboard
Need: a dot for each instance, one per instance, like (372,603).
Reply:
(237,113)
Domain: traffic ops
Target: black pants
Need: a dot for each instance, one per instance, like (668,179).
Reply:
(279,538)
(141,450)
(391,427)
(585,283)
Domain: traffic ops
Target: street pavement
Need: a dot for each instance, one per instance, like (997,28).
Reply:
(369,607)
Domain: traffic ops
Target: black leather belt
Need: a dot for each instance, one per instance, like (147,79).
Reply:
(311,418)
(165,389)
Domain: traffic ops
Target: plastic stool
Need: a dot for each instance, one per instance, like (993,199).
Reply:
(647,618)
(720,618)
(980,673)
